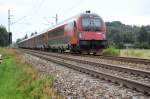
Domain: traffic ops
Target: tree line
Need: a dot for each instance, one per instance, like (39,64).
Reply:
(119,34)
(4,36)
(25,37)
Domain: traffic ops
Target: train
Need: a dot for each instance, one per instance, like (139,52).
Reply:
(85,32)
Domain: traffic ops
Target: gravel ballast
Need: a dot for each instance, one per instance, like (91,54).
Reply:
(75,85)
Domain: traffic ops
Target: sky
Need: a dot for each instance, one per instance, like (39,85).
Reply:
(29,16)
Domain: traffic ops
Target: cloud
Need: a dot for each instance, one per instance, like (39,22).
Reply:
(138,20)
(130,20)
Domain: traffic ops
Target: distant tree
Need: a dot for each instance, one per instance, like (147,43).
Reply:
(148,33)
(119,34)
(32,34)
(4,36)
(148,38)
(18,40)
(35,33)
(142,35)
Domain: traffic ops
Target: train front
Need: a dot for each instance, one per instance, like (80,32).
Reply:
(92,36)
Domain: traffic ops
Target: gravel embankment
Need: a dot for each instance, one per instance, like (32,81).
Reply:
(112,72)
(75,85)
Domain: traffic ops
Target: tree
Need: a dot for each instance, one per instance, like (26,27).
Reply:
(32,34)
(4,36)
(142,35)
(119,34)
(18,40)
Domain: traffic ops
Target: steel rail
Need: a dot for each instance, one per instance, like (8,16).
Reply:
(119,68)
(127,59)
(117,58)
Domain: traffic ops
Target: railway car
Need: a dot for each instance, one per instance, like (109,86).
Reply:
(85,32)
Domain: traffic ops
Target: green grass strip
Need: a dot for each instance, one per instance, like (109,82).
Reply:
(17,80)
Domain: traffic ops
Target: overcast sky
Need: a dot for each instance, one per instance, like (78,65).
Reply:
(36,15)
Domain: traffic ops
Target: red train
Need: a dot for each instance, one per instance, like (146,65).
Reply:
(85,32)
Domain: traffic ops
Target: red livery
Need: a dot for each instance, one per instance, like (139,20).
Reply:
(85,32)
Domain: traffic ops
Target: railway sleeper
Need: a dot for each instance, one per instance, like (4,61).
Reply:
(113,68)
(109,67)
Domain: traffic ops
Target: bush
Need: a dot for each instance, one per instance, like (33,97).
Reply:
(111,51)
(144,45)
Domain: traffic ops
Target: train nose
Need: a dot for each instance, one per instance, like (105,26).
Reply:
(92,36)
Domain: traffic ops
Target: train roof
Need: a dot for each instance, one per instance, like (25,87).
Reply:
(50,28)
(60,24)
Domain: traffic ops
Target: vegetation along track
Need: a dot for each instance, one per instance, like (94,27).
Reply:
(109,72)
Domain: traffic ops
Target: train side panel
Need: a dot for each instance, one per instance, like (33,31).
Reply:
(57,39)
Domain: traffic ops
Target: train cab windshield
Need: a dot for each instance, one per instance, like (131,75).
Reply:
(91,23)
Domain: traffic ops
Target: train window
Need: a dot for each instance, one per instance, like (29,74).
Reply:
(91,23)
(69,27)
(56,33)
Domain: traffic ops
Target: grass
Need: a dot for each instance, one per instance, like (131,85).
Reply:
(111,51)
(138,53)
(19,81)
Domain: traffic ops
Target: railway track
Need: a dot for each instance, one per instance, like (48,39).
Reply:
(102,70)
(126,59)
(116,58)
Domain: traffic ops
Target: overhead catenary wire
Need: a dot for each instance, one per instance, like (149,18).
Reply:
(34,14)
(18,20)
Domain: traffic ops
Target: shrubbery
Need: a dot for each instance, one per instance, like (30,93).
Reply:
(3,36)
(145,45)
(111,51)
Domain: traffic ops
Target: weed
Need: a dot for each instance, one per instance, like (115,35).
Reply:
(18,80)
(111,51)
(138,53)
